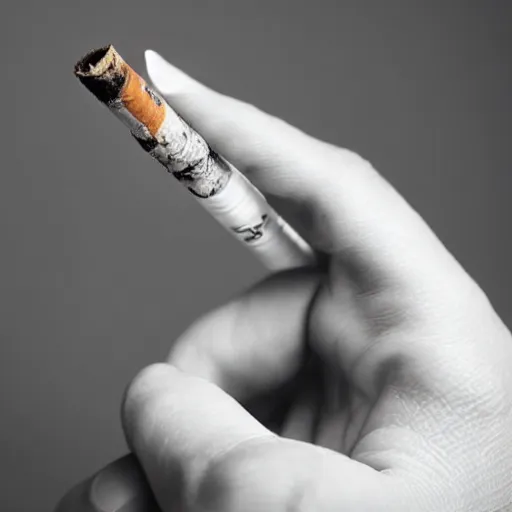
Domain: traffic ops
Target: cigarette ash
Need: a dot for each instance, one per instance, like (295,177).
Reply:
(101,72)
(215,177)
(188,157)
(184,154)
(147,144)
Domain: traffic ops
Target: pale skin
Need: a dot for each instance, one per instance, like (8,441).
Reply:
(401,369)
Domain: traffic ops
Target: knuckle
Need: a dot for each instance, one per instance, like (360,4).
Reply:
(141,391)
(145,380)
(357,168)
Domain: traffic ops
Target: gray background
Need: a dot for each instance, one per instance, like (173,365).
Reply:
(105,260)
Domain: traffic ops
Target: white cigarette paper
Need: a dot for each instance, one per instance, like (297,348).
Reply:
(218,186)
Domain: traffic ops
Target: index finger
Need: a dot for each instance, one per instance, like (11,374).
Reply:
(353,211)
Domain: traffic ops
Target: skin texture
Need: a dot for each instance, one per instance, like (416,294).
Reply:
(378,382)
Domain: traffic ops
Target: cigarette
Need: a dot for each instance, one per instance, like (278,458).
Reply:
(220,188)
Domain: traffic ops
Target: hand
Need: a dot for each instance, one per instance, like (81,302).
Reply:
(381,382)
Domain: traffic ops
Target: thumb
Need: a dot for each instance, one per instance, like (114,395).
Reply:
(201,450)
(178,425)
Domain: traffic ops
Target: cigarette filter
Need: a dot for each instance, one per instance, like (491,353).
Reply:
(216,184)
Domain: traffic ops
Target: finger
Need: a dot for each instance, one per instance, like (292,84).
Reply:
(119,487)
(301,417)
(177,425)
(353,210)
(334,418)
(255,343)
(300,421)
(202,451)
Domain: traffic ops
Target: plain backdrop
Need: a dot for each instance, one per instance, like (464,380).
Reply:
(105,259)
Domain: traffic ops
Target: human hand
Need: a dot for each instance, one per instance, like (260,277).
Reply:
(379,382)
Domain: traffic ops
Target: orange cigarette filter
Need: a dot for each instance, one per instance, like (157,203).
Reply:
(114,82)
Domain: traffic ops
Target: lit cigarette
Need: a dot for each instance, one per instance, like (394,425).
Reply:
(216,184)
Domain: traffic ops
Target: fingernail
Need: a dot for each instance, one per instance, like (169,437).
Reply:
(118,487)
(166,77)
